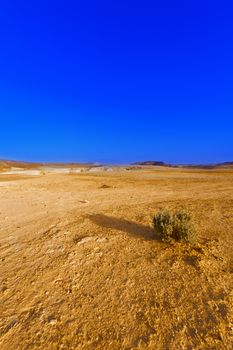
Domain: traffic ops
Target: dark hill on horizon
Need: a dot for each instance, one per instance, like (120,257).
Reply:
(197,166)
(151,162)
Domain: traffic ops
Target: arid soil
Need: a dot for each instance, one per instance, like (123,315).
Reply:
(82,268)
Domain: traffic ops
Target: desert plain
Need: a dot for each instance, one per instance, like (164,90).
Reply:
(82,268)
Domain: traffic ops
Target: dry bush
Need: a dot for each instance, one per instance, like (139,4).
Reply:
(176,226)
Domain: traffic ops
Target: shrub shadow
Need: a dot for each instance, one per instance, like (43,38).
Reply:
(132,228)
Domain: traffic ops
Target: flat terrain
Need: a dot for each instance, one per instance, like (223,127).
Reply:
(81,267)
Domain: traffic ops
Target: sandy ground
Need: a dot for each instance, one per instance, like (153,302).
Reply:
(81,267)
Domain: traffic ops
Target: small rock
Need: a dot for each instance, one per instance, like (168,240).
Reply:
(105,186)
(52,320)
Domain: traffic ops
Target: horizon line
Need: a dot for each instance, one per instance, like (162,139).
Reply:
(117,163)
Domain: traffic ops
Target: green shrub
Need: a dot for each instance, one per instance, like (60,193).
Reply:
(174,226)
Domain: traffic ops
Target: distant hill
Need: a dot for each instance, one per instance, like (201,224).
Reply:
(225,164)
(193,166)
(7,164)
(150,162)
(209,166)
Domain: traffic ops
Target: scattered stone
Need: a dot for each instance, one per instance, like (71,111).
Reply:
(86,239)
(58,280)
(52,320)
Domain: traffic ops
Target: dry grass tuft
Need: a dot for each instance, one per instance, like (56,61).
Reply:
(176,226)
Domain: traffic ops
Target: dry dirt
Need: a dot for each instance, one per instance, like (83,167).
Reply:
(81,267)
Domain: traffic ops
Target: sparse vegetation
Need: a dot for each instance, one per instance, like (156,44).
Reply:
(176,226)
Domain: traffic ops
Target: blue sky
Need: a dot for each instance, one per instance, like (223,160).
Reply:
(116,81)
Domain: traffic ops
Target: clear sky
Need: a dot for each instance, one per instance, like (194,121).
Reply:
(116,81)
